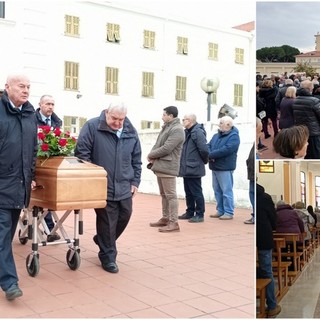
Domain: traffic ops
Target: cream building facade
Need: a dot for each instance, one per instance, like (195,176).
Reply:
(67,50)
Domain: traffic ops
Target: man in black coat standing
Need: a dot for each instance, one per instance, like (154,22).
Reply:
(306,111)
(18,150)
(194,156)
(266,224)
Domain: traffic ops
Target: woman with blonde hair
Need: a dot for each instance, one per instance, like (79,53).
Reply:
(286,119)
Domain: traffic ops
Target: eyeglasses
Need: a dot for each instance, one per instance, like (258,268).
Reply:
(184,119)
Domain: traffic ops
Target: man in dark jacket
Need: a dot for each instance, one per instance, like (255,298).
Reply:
(306,111)
(194,156)
(251,177)
(18,150)
(266,224)
(46,116)
(223,150)
(111,141)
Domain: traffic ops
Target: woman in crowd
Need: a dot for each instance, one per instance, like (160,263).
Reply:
(286,119)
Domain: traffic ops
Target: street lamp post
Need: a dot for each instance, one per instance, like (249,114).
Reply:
(209,85)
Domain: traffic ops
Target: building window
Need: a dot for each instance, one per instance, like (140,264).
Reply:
(182,45)
(2,9)
(303,186)
(73,124)
(181,87)
(71,76)
(145,124)
(149,39)
(147,84)
(238,95)
(113,32)
(111,84)
(239,55)
(213,51)
(71,26)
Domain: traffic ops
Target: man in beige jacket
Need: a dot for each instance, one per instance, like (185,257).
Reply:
(164,161)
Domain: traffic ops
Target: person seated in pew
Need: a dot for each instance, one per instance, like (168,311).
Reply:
(288,221)
(307,219)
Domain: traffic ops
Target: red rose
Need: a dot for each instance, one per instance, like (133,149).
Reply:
(45,129)
(44,147)
(62,142)
(57,132)
(41,136)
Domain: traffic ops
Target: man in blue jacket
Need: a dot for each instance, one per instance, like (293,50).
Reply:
(18,150)
(111,141)
(223,149)
(194,156)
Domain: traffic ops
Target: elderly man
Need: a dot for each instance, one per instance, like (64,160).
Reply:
(194,156)
(223,149)
(17,157)
(306,111)
(111,141)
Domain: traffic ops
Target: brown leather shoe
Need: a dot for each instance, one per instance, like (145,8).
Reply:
(161,223)
(170,227)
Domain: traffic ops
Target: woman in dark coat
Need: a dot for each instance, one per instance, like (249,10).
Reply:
(268,92)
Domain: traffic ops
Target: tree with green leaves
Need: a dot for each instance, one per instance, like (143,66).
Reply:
(284,53)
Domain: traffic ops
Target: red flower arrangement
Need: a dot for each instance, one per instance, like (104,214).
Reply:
(54,142)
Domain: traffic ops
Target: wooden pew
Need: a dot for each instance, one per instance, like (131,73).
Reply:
(291,251)
(261,285)
(280,268)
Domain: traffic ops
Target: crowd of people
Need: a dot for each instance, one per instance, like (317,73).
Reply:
(111,141)
(288,110)
(285,103)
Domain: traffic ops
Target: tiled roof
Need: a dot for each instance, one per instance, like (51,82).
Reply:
(249,26)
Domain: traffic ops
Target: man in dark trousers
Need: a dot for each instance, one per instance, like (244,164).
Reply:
(266,224)
(112,142)
(18,145)
(46,116)
(194,156)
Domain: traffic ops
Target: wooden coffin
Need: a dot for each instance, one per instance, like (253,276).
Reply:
(68,183)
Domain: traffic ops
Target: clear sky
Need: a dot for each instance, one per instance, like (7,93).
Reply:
(292,23)
(222,14)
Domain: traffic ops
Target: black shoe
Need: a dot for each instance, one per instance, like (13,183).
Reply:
(185,216)
(53,237)
(196,219)
(110,267)
(13,292)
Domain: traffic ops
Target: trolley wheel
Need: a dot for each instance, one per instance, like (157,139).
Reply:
(23,240)
(32,264)
(74,262)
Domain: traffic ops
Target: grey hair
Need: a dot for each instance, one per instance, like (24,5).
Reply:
(227,120)
(192,117)
(117,106)
(280,203)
